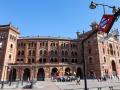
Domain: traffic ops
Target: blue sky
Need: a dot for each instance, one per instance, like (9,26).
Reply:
(52,17)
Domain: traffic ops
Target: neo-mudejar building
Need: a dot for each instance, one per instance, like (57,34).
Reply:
(36,57)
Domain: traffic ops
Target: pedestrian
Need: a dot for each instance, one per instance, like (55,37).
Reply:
(118,78)
(78,80)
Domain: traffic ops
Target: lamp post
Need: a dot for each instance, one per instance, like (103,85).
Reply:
(83,59)
(116,14)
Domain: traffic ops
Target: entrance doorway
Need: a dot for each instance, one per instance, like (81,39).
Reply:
(26,74)
(67,72)
(41,74)
(79,72)
(54,72)
(12,75)
(113,68)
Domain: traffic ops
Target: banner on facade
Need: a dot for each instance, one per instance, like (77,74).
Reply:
(106,23)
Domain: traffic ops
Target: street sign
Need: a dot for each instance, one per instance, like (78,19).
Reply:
(106,23)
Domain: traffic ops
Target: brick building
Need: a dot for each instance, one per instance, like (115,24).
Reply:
(27,58)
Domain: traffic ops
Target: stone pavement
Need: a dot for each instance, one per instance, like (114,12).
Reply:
(48,85)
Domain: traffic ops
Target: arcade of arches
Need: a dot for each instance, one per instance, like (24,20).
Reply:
(41,73)
(26,73)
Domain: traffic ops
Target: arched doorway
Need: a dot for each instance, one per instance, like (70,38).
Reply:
(67,72)
(54,72)
(113,68)
(12,75)
(79,72)
(26,74)
(41,74)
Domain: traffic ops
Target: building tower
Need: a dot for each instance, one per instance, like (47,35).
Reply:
(8,41)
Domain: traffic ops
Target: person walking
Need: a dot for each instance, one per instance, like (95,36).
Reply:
(78,80)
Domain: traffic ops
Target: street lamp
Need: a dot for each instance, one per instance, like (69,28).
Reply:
(93,6)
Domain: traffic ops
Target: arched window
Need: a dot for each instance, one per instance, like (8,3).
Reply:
(46,44)
(10,56)
(11,46)
(45,52)
(40,52)
(40,44)
(90,60)
(55,59)
(29,60)
(66,60)
(22,60)
(40,60)
(33,60)
(111,49)
(51,60)
(66,53)
(55,52)
(18,53)
(62,59)
(104,59)
(22,53)
(76,61)
(44,60)
(62,52)
(72,60)
(33,53)
(29,52)
(17,59)
(43,43)
(75,53)
(72,53)
(89,51)
(53,44)
(52,52)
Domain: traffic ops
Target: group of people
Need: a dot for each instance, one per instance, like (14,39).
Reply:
(66,79)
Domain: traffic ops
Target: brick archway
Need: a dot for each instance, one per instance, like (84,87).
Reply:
(114,72)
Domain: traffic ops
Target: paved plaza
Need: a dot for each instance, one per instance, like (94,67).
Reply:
(49,85)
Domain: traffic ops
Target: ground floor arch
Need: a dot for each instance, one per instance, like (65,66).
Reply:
(79,72)
(54,71)
(67,71)
(41,74)
(12,75)
(26,74)
(114,72)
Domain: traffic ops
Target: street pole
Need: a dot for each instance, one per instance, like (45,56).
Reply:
(11,77)
(83,59)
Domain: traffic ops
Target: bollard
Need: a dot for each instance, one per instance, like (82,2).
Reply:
(2,84)
(31,84)
(111,87)
(99,88)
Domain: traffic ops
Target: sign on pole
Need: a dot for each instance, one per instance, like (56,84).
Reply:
(106,23)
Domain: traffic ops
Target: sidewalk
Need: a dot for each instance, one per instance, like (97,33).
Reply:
(48,85)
